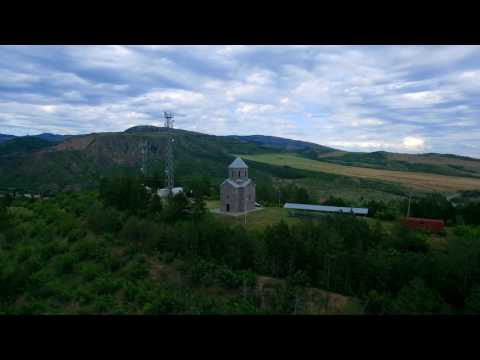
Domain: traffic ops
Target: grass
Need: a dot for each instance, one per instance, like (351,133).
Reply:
(419,181)
(273,215)
(257,219)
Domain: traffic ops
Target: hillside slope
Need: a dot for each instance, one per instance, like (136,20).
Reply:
(442,164)
(416,180)
(78,162)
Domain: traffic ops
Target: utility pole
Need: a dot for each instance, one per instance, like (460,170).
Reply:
(245,208)
(409,200)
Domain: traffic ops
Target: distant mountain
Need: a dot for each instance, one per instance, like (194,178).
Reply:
(51,137)
(23,145)
(279,143)
(5,137)
(45,136)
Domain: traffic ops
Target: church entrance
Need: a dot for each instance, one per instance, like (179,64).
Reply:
(228,207)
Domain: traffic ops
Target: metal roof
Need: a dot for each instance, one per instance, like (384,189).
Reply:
(336,209)
(238,163)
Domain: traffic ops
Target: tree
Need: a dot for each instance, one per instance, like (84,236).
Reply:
(200,186)
(175,208)
(279,248)
(473,301)
(302,196)
(375,303)
(198,208)
(296,290)
(3,214)
(124,193)
(156,204)
(417,298)
(335,201)
(471,213)
(103,219)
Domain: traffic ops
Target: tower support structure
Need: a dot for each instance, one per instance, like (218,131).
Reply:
(169,156)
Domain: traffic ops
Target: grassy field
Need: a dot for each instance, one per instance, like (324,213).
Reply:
(415,180)
(270,216)
(257,219)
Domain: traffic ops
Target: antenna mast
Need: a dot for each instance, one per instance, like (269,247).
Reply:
(169,176)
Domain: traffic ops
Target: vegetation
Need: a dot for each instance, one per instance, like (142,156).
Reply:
(73,163)
(397,162)
(419,181)
(121,251)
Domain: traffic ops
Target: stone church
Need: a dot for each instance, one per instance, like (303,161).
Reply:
(237,193)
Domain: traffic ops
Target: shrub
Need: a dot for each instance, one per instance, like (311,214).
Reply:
(104,304)
(203,272)
(136,269)
(104,219)
(137,231)
(165,303)
(90,271)
(105,284)
(64,264)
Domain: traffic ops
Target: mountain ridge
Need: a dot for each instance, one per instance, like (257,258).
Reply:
(274,142)
(79,161)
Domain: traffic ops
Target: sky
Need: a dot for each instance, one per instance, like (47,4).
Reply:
(411,99)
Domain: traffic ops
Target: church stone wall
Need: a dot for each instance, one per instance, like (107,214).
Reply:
(239,199)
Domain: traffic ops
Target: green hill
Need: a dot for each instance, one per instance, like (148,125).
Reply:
(22,145)
(78,162)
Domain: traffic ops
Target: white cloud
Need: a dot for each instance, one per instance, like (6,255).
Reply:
(413,143)
(360,97)
(423,97)
(48,108)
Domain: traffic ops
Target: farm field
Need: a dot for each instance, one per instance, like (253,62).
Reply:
(415,180)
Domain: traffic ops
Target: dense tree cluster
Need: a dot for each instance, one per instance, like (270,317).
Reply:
(89,252)
(277,195)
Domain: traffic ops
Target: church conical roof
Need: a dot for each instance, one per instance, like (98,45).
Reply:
(238,163)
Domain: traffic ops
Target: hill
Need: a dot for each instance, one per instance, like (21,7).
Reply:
(50,163)
(43,136)
(278,143)
(417,180)
(442,164)
(22,145)
(5,137)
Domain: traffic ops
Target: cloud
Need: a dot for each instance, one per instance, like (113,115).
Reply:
(358,98)
(48,108)
(413,143)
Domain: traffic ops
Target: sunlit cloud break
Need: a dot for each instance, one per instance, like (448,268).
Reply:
(359,98)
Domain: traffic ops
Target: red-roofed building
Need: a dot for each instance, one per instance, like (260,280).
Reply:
(433,225)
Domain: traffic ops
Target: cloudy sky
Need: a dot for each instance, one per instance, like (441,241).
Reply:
(359,98)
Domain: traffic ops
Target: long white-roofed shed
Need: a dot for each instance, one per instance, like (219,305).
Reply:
(327,209)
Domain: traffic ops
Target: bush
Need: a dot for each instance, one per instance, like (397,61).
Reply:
(64,264)
(418,298)
(135,269)
(137,231)
(90,270)
(165,303)
(104,304)
(104,219)
(105,284)
(203,272)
